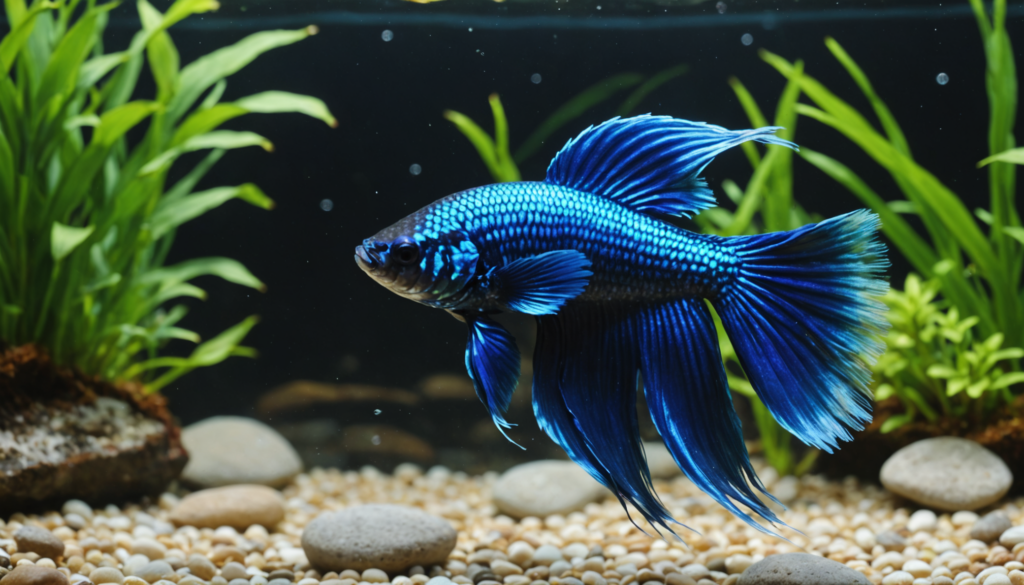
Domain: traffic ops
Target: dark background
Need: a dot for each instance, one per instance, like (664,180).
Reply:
(323,319)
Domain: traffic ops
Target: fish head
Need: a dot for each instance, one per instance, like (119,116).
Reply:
(418,263)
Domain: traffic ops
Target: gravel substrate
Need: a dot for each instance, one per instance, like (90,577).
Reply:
(862,526)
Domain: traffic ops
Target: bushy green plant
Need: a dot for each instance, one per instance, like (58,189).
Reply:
(496,153)
(86,215)
(935,365)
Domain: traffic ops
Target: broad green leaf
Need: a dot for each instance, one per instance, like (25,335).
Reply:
(169,215)
(1007,380)
(14,40)
(1015,156)
(1015,232)
(224,139)
(207,70)
(209,353)
(480,140)
(273,102)
(942,371)
(896,421)
(65,238)
(205,120)
(226,268)
(117,122)
(61,72)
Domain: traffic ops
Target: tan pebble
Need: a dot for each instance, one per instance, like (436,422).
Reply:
(48,563)
(593,578)
(149,547)
(87,569)
(226,554)
(898,578)
(942,580)
(731,580)
(374,576)
(350,574)
(520,553)
(238,506)
(74,563)
(917,568)
(736,564)
(996,579)
(201,567)
(30,574)
(106,575)
(504,568)
(460,579)
(233,570)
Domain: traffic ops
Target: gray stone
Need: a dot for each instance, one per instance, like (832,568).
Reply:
(891,540)
(32,538)
(947,473)
(800,569)
(226,450)
(989,527)
(382,536)
(154,571)
(542,488)
(660,461)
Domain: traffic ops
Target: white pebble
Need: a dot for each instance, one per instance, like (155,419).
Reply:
(575,550)
(737,564)
(917,568)
(308,581)
(1016,577)
(433,581)
(898,578)
(504,568)
(989,572)
(1012,536)
(520,552)
(547,554)
(864,538)
(378,576)
(922,520)
(77,507)
(964,518)
(996,579)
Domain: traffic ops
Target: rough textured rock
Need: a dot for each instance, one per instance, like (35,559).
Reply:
(948,473)
(989,527)
(239,506)
(34,575)
(228,450)
(381,536)
(542,488)
(31,538)
(800,569)
(660,461)
(67,435)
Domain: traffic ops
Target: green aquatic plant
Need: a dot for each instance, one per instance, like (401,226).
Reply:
(935,365)
(86,215)
(979,273)
(495,151)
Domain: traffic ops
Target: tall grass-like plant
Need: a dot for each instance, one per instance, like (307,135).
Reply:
(980,273)
(86,215)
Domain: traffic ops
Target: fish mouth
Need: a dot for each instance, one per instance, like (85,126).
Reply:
(365,260)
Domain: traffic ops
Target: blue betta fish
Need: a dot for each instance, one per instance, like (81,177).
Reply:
(617,292)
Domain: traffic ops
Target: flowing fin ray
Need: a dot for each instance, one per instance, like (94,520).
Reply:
(541,284)
(649,163)
(492,360)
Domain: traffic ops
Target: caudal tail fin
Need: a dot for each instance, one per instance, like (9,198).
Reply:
(806,321)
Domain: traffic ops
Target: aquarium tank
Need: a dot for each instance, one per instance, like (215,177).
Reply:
(524,292)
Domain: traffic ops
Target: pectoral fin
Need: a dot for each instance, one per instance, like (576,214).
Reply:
(541,284)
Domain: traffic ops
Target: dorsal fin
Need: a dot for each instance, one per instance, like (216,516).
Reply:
(649,163)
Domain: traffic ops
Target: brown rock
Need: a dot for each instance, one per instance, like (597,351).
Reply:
(447,387)
(31,538)
(239,506)
(378,440)
(304,393)
(34,575)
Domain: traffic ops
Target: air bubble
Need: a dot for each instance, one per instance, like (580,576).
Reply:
(377,411)
(535,78)
(326,204)
(942,79)
(747,39)
(415,169)
(721,7)
(375,440)
(387,35)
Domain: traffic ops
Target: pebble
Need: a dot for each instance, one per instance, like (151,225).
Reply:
(925,520)
(801,569)
(106,575)
(991,526)
(77,507)
(153,571)
(547,554)
(150,548)
(238,506)
(381,536)
(34,575)
(230,450)
(898,578)
(892,541)
(1012,536)
(202,567)
(917,568)
(31,538)
(543,488)
(997,579)
(233,570)
(947,473)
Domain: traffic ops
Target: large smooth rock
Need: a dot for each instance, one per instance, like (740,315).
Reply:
(381,536)
(31,538)
(34,575)
(542,488)
(800,569)
(947,473)
(227,450)
(239,506)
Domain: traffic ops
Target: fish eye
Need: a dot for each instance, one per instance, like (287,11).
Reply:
(404,250)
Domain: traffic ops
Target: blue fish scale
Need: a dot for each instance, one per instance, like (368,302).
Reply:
(634,257)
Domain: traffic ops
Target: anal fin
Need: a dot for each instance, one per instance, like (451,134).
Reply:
(492,360)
